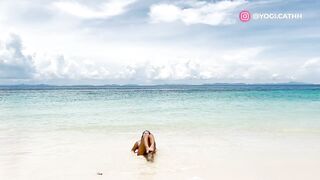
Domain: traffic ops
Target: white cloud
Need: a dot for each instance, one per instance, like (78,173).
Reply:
(42,67)
(312,64)
(164,13)
(14,64)
(215,69)
(196,12)
(310,70)
(57,67)
(233,65)
(105,10)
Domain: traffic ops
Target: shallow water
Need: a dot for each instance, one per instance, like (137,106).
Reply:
(202,132)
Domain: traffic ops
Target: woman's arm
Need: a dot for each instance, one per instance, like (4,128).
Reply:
(135,147)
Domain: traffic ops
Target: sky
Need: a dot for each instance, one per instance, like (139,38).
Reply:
(102,42)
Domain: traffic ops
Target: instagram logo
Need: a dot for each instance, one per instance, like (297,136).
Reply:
(244,16)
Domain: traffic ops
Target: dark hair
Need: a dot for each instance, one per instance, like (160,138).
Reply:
(144,132)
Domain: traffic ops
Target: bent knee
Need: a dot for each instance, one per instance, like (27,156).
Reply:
(145,136)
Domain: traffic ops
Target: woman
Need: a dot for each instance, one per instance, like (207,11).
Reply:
(146,146)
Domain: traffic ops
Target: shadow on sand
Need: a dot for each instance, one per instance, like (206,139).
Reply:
(150,156)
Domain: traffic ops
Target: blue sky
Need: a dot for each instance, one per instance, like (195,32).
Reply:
(157,42)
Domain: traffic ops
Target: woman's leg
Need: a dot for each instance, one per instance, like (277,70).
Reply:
(152,141)
(152,148)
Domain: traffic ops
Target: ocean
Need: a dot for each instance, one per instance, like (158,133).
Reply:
(72,132)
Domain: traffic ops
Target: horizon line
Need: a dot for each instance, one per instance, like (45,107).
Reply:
(203,84)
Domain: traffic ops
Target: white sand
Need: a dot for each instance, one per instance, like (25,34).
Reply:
(195,155)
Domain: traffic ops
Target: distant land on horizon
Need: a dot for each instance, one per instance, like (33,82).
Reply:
(127,85)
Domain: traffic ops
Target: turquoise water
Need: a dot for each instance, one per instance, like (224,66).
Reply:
(266,108)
